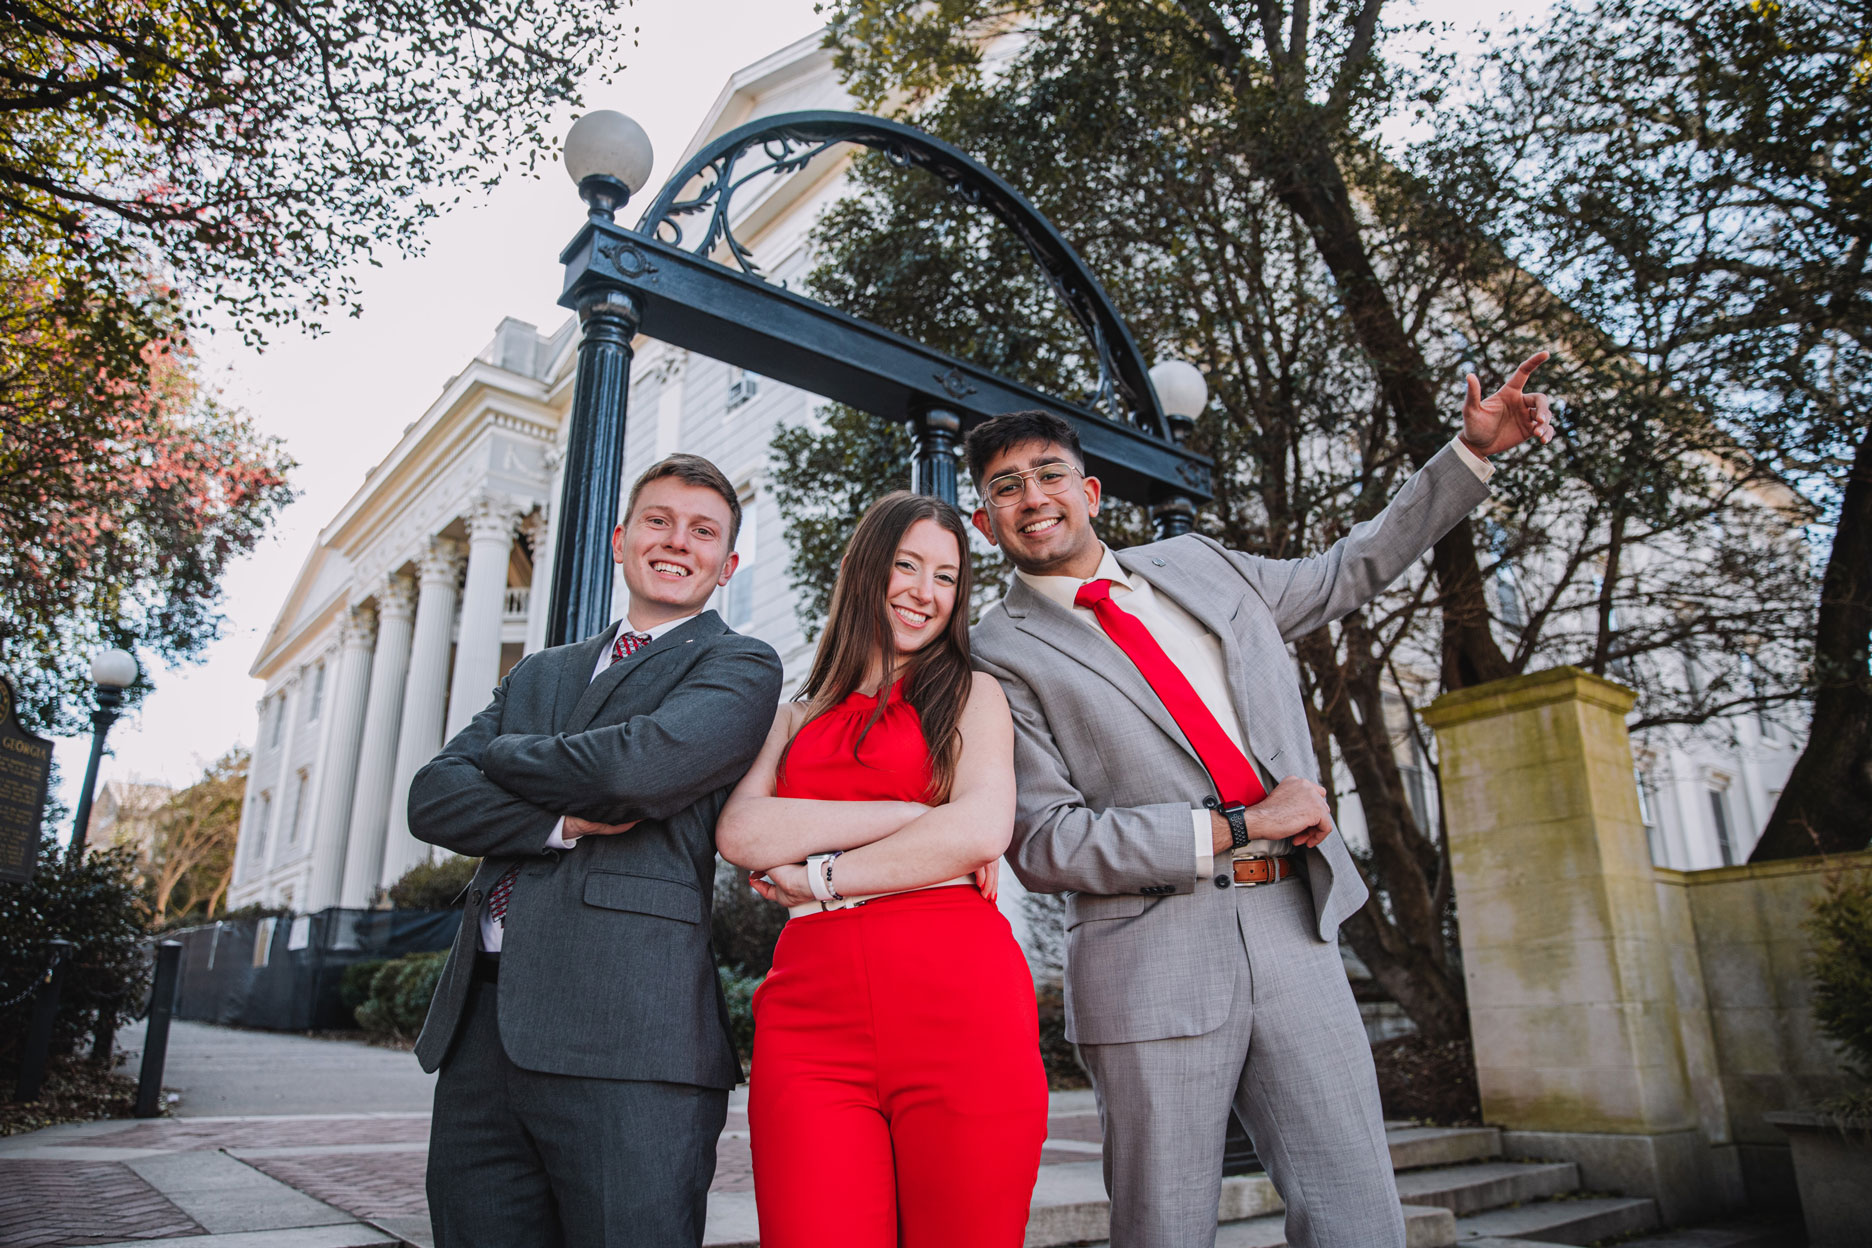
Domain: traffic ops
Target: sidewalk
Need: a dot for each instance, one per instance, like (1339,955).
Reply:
(288,1142)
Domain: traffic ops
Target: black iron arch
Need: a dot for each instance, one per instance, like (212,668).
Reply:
(788,142)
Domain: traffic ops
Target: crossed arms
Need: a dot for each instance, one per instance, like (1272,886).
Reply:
(493,793)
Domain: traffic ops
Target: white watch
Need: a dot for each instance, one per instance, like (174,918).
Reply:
(816,876)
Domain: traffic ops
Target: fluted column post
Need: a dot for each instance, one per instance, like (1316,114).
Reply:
(339,766)
(538,529)
(423,700)
(383,715)
(478,645)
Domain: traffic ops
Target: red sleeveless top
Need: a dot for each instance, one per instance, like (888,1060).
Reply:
(891,765)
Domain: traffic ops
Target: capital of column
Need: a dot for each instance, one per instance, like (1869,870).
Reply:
(396,597)
(441,562)
(493,517)
(535,526)
(360,627)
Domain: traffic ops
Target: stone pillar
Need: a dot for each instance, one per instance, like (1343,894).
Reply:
(423,701)
(338,768)
(484,594)
(383,715)
(538,529)
(1579,1052)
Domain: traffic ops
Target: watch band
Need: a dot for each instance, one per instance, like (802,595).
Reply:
(816,877)
(1237,815)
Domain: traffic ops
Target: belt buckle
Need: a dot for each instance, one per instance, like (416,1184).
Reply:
(1272,870)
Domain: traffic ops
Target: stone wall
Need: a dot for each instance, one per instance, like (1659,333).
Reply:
(1744,1000)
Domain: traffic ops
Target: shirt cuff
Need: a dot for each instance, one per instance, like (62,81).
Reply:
(558,838)
(1205,843)
(1481,467)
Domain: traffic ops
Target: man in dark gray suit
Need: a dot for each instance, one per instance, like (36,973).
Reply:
(1154,705)
(579,1026)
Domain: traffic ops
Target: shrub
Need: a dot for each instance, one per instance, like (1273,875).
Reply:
(95,904)
(433,885)
(744,925)
(739,989)
(1841,964)
(1059,1055)
(399,995)
(354,986)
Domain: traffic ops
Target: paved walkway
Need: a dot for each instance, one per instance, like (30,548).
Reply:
(280,1141)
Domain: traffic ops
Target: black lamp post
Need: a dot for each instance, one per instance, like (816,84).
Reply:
(609,156)
(112,671)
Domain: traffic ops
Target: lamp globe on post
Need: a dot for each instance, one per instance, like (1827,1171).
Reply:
(112,671)
(1182,393)
(609,156)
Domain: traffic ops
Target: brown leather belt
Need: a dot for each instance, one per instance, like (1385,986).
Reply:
(1262,870)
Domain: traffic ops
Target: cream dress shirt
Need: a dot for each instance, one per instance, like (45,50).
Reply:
(1197,652)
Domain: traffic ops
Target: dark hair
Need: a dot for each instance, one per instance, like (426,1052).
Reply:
(690,470)
(936,678)
(991,437)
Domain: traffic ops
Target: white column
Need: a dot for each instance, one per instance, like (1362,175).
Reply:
(421,734)
(538,529)
(478,646)
(338,763)
(383,715)
(282,777)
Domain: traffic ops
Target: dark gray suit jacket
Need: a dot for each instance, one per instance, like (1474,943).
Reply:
(605,963)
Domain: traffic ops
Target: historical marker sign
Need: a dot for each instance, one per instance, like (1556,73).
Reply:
(25,767)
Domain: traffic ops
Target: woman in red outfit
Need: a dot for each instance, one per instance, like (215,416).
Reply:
(897,1096)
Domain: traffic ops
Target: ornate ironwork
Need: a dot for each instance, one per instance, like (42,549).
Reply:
(788,142)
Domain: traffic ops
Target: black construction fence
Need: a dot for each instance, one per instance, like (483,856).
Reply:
(282,974)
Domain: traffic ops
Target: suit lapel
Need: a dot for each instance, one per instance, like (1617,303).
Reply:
(1040,617)
(576,673)
(595,694)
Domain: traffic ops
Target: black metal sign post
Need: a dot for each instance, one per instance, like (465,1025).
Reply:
(156,1031)
(25,769)
(673,289)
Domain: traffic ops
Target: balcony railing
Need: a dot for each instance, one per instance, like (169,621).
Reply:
(515,605)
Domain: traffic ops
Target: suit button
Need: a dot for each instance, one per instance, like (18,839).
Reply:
(1222,881)
(474,898)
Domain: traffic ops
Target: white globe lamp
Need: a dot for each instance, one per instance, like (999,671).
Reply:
(1182,392)
(609,156)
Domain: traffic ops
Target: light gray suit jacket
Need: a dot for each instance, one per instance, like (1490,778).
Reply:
(1106,780)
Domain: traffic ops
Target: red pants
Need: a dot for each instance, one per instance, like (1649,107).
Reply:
(897,1095)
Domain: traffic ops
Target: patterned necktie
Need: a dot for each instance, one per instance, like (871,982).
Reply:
(1229,768)
(627,644)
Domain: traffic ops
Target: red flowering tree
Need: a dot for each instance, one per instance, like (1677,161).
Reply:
(125,492)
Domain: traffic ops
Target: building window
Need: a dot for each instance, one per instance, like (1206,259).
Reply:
(1719,812)
(1647,814)
(299,796)
(279,720)
(316,701)
(742,386)
(738,595)
(260,828)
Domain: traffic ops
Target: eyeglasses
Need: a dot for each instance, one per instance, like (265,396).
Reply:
(1010,487)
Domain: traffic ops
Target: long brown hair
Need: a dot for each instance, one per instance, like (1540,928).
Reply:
(936,678)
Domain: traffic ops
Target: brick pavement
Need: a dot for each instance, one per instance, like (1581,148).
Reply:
(53,1203)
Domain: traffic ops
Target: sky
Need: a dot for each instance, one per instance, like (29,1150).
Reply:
(340,401)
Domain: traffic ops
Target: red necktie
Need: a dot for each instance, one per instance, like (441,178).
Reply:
(1229,768)
(628,643)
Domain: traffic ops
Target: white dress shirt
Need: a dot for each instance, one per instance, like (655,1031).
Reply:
(1197,652)
(490,930)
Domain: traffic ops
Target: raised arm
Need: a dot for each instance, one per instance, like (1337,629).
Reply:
(966,832)
(453,803)
(1061,844)
(760,831)
(650,766)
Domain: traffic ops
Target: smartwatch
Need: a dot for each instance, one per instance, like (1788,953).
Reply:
(1237,815)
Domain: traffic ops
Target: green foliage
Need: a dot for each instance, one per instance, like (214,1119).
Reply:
(191,851)
(743,925)
(433,885)
(94,903)
(739,990)
(354,986)
(1058,1054)
(399,995)
(1841,964)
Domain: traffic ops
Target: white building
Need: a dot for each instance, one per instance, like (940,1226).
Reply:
(431,582)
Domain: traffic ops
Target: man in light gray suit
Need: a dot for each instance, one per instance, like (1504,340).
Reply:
(579,1025)
(1154,702)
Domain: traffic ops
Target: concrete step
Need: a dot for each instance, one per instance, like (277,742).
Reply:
(1423,1228)
(1415,1148)
(1485,1185)
(1578,1220)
